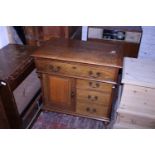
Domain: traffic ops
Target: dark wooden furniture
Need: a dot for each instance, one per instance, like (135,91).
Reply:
(36,35)
(16,73)
(78,77)
(130,44)
(4,124)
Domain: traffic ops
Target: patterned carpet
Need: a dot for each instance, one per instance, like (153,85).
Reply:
(53,120)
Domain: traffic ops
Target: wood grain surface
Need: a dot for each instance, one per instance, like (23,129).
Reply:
(81,51)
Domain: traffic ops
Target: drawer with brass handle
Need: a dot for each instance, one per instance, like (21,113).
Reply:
(94,85)
(94,74)
(94,110)
(54,68)
(91,110)
(79,70)
(93,97)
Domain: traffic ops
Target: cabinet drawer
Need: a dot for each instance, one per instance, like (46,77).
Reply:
(79,70)
(93,97)
(94,85)
(92,110)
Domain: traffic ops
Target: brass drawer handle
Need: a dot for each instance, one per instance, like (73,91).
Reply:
(94,85)
(92,98)
(96,75)
(91,110)
(54,68)
(90,73)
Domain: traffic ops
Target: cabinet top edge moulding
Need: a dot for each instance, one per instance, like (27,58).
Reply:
(80,51)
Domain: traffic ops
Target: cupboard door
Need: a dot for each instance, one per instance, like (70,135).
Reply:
(59,92)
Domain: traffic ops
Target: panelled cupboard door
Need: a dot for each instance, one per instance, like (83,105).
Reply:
(60,92)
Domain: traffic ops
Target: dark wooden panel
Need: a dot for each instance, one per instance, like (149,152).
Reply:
(55,32)
(33,35)
(10,107)
(4,124)
(13,59)
(36,35)
(15,65)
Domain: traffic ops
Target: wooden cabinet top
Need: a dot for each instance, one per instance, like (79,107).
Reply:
(13,59)
(81,51)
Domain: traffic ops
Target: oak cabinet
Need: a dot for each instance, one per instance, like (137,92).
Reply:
(78,78)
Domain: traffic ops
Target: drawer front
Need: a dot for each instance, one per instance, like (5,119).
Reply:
(93,97)
(80,70)
(94,85)
(93,110)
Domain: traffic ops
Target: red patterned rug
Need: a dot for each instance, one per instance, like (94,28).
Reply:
(53,120)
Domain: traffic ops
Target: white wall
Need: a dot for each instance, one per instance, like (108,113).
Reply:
(84,33)
(147,46)
(4,39)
